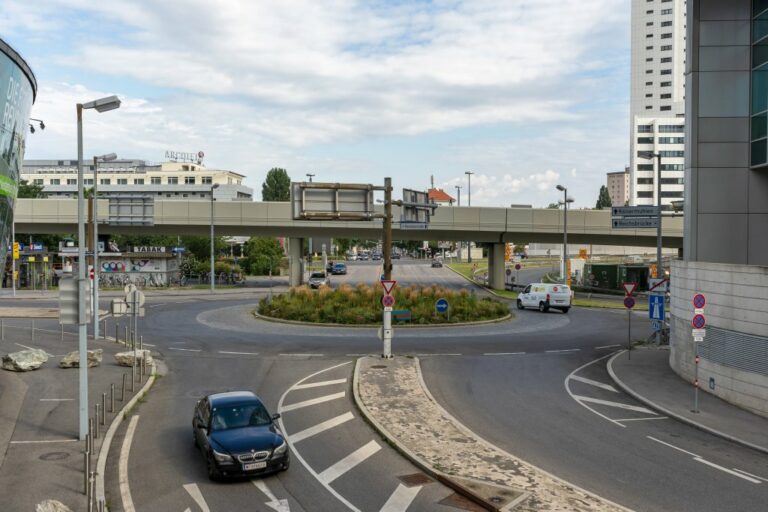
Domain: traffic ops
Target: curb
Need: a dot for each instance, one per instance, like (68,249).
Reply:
(101,463)
(671,414)
(415,460)
(373,326)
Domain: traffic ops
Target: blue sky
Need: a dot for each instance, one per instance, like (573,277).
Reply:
(525,93)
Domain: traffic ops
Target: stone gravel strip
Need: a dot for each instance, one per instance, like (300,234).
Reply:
(399,405)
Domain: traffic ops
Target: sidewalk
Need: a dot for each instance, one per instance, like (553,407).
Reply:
(40,455)
(649,378)
(258,287)
(392,395)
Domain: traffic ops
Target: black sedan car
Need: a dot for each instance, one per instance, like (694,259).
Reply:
(237,436)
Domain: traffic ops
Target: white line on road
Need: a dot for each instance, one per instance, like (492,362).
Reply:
(607,346)
(726,470)
(46,441)
(194,491)
(595,383)
(185,349)
(273,503)
(156,305)
(125,490)
(319,384)
(620,405)
(33,348)
(321,427)
(673,446)
(425,355)
(401,499)
(57,399)
(313,401)
(504,353)
(302,355)
(148,345)
(567,384)
(644,419)
(562,351)
(750,474)
(239,353)
(348,462)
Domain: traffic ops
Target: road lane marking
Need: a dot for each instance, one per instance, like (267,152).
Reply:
(750,474)
(185,349)
(595,383)
(401,499)
(319,384)
(644,419)
(302,355)
(567,384)
(504,353)
(46,441)
(57,399)
(426,355)
(297,454)
(278,505)
(194,491)
(673,446)
(33,348)
(125,489)
(239,353)
(608,346)
(321,427)
(562,351)
(726,470)
(620,405)
(313,401)
(348,462)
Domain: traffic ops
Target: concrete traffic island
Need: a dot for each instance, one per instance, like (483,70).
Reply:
(392,396)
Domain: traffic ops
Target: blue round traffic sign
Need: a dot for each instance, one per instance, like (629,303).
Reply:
(629,302)
(699,321)
(441,306)
(699,301)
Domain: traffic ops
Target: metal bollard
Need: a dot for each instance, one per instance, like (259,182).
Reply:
(111,398)
(2,329)
(105,329)
(61,331)
(117,333)
(133,374)
(122,389)
(101,505)
(92,480)
(103,408)
(141,342)
(90,435)
(96,422)
(125,342)
(32,331)
(87,464)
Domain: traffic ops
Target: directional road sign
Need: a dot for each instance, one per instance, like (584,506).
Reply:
(629,288)
(634,211)
(388,286)
(656,307)
(441,306)
(629,302)
(699,301)
(634,222)
(388,301)
(698,321)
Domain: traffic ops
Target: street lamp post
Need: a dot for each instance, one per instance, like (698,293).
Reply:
(213,268)
(565,273)
(458,203)
(649,155)
(469,203)
(95,198)
(100,105)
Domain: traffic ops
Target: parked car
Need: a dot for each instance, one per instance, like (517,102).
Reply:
(376,256)
(329,266)
(237,436)
(395,255)
(362,256)
(351,257)
(545,296)
(339,269)
(437,264)
(318,279)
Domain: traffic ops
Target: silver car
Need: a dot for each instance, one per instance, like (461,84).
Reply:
(318,279)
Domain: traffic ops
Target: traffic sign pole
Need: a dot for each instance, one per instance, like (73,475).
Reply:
(387,334)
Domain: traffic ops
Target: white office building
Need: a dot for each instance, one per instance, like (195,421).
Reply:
(167,180)
(657,99)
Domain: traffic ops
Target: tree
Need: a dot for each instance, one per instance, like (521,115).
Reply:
(553,206)
(276,186)
(28,191)
(264,254)
(603,199)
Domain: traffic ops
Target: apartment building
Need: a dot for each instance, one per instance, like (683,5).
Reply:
(618,187)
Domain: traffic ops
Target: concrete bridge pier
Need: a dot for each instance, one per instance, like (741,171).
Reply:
(295,252)
(496,266)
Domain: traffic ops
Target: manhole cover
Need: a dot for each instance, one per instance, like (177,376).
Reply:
(415,479)
(378,366)
(54,456)
(460,502)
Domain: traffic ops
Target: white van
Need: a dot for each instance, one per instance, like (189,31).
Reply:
(544,296)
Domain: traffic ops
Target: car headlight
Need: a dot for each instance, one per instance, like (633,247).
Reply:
(223,458)
(280,449)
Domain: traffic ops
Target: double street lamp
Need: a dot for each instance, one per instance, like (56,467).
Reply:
(650,155)
(213,268)
(566,275)
(95,242)
(100,105)
(469,203)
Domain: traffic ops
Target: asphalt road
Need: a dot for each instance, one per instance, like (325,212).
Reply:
(518,384)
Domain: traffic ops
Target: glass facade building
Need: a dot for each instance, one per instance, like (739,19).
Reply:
(18,88)
(759,79)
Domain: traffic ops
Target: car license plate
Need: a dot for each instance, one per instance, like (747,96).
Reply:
(254,465)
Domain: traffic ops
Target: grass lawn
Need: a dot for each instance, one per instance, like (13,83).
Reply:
(465,269)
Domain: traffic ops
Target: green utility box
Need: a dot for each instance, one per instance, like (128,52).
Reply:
(601,275)
(635,274)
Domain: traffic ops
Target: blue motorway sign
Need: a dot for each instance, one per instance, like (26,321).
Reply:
(656,307)
(441,306)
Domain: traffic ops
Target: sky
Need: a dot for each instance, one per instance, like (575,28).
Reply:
(526,94)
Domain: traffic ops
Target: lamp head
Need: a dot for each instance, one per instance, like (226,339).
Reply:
(648,155)
(214,186)
(104,104)
(561,188)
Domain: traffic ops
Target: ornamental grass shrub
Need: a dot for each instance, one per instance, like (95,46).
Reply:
(361,304)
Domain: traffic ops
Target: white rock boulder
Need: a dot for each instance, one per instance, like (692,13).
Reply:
(52,506)
(126,358)
(24,360)
(72,360)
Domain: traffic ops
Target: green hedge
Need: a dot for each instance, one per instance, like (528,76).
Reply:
(361,304)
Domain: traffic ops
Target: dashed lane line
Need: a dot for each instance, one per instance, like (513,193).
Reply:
(595,383)
(401,499)
(302,355)
(319,384)
(348,462)
(607,346)
(644,419)
(321,427)
(620,405)
(674,447)
(239,353)
(750,474)
(428,355)
(57,399)
(313,401)
(46,441)
(562,351)
(504,353)
(125,489)
(185,349)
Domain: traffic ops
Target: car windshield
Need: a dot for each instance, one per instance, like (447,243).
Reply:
(317,275)
(238,416)
(339,265)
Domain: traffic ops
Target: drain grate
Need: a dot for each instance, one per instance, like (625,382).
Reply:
(460,502)
(54,456)
(415,479)
(378,366)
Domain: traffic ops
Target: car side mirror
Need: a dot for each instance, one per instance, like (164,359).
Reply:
(275,416)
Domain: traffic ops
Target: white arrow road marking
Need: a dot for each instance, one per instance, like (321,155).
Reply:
(401,499)
(279,505)
(595,383)
(614,404)
(194,491)
(348,462)
(125,490)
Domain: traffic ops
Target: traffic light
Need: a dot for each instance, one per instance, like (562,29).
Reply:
(508,252)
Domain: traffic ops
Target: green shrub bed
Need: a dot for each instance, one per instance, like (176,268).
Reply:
(361,304)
